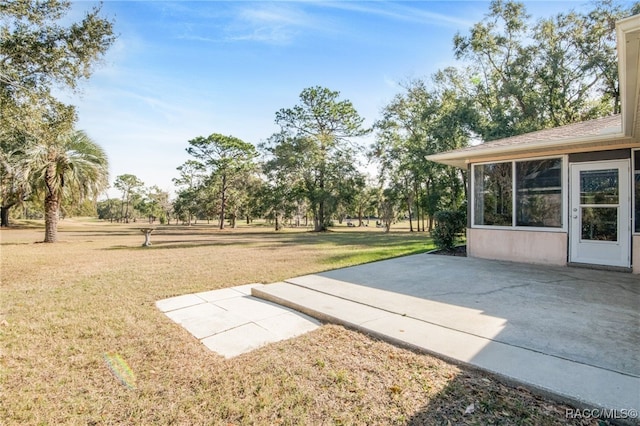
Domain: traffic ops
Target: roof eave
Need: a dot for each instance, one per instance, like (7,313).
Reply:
(461,159)
(628,46)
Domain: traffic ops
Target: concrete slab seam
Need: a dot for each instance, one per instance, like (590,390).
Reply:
(321,316)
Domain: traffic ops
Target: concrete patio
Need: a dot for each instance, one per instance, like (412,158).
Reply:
(571,333)
(589,316)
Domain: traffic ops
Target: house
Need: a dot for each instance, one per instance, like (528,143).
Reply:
(563,196)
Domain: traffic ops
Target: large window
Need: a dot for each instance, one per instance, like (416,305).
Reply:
(539,193)
(493,200)
(537,185)
(636,162)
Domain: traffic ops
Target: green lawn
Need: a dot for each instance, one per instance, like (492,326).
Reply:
(68,308)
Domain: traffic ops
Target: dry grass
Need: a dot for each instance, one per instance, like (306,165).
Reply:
(64,306)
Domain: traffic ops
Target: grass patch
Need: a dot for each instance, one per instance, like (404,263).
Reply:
(75,315)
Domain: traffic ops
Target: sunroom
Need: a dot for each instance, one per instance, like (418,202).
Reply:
(567,195)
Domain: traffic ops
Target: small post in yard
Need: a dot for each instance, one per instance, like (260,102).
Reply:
(147,236)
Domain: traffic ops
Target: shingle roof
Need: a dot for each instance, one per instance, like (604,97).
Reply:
(597,127)
(598,132)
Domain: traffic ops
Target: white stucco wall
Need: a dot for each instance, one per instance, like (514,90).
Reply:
(549,248)
(636,254)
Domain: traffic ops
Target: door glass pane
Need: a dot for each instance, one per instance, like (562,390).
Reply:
(599,186)
(600,223)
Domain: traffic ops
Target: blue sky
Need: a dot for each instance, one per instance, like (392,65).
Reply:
(184,69)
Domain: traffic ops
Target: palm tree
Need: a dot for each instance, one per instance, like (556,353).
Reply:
(71,166)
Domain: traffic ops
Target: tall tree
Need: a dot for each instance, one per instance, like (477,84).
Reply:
(320,129)
(14,186)
(129,185)
(500,70)
(227,159)
(528,76)
(287,171)
(155,204)
(575,65)
(71,166)
(40,50)
(418,122)
(190,179)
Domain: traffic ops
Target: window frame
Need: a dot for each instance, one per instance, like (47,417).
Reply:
(634,217)
(563,195)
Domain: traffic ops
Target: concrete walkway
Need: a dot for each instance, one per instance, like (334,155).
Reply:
(231,322)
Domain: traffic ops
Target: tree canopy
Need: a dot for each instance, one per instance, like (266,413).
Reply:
(514,75)
(315,149)
(524,76)
(40,51)
(416,123)
(227,160)
(129,185)
(71,166)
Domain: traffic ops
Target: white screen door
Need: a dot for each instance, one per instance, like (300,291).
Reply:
(600,209)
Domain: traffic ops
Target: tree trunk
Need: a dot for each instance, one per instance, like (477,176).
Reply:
(122,209)
(410,218)
(464,184)
(417,200)
(4,215)
(51,206)
(320,220)
(319,223)
(223,201)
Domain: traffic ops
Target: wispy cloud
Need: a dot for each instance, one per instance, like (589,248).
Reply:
(400,12)
(283,23)
(277,23)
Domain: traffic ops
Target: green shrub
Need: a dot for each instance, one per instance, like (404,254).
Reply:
(449,224)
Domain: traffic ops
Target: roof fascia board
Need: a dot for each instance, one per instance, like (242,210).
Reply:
(554,153)
(532,146)
(628,45)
